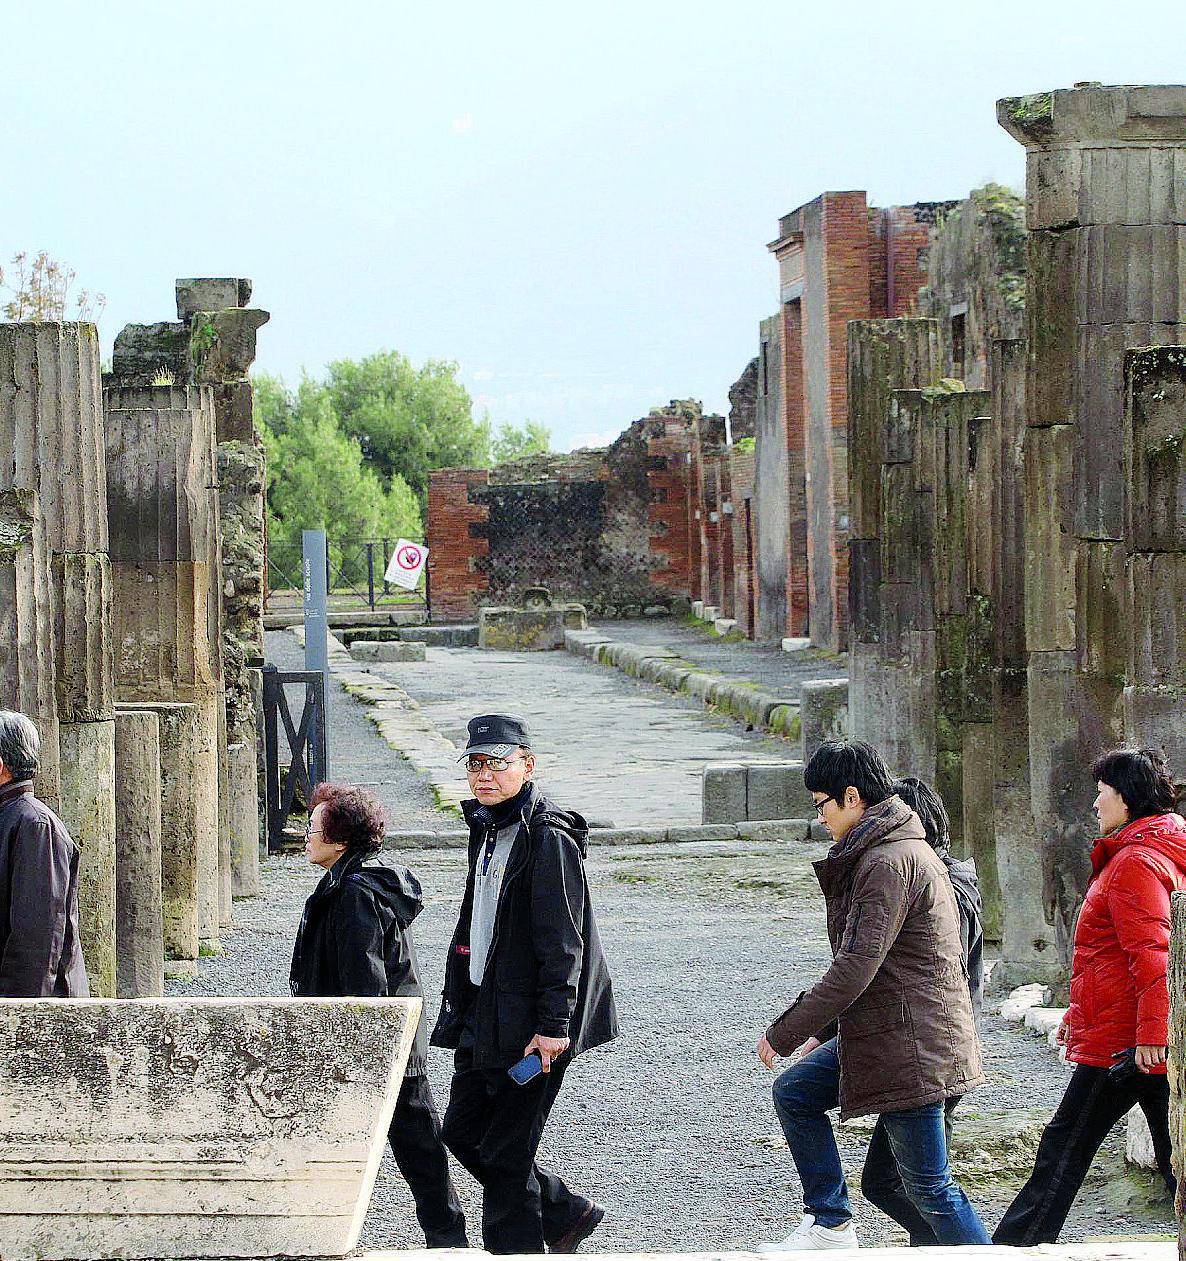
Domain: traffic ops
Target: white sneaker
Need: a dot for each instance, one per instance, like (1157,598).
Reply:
(809,1235)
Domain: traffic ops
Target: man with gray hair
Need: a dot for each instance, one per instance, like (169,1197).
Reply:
(40,952)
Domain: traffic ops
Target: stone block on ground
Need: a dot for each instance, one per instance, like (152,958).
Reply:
(795,644)
(723,625)
(396,650)
(775,830)
(724,795)
(1022,999)
(1043,1021)
(528,630)
(195,1128)
(698,609)
(775,791)
(710,613)
(823,712)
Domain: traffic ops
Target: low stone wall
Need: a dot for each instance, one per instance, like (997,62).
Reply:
(763,830)
(740,792)
(529,630)
(194,1128)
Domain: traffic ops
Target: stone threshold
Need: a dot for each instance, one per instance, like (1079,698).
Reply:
(1104,1249)
(655,663)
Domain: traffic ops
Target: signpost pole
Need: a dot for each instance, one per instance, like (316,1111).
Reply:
(317,631)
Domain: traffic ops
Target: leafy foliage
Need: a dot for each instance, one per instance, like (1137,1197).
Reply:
(319,479)
(407,420)
(512,442)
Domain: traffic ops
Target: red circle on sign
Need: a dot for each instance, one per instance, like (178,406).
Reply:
(408,558)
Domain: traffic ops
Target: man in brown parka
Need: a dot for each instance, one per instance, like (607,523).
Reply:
(896,992)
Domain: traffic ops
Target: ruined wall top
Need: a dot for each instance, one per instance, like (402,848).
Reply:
(1092,112)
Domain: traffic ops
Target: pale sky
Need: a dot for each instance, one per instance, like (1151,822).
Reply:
(572,202)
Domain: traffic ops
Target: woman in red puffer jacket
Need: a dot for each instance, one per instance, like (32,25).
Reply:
(1116,1028)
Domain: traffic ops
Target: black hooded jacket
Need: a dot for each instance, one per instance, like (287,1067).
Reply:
(353,942)
(545,972)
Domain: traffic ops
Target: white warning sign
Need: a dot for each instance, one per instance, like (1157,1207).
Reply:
(407,564)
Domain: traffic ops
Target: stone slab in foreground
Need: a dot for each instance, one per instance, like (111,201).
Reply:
(185,1128)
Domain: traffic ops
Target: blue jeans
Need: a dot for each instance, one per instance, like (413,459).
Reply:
(803,1095)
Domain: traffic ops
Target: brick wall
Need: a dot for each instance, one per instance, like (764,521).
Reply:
(794,423)
(456,543)
(668,446)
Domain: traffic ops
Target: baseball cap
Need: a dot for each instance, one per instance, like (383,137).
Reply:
(496,735)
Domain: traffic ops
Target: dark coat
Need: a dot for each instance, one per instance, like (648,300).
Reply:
(545,972)
(40,947)
(897,985)
(353,941)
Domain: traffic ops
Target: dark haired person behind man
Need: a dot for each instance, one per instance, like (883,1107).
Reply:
(1116,1028)
(352,942)
(907,1036)
(525,975)
(40,950)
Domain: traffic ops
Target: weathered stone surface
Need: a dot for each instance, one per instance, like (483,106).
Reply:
(883,355)
(393,650)
(520,630)
(724,795)
(222,344)
(979,822)
(148,353)
(1156,469)
(1061,791)
(823,706)
(1101,596)
(210,293)
(1049,540)
(1008,373)
(140,945)
(1051,328)
(195,1128)
(775,791)
(186,809)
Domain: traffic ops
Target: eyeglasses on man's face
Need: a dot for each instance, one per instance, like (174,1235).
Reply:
(820,804)
(476,765)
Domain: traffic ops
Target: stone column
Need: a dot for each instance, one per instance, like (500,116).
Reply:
(49,388)
(1107,223)
(222,348)
(139,925)
(883,356)
(163,512)
(187,807)
(1028,947)
(1155,698)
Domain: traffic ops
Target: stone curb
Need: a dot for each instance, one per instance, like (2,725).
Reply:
(766,830)
(658,664)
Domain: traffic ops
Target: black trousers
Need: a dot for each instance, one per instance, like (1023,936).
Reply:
(493,1127)
(415,1138)
(1091,1106)
(882,1186)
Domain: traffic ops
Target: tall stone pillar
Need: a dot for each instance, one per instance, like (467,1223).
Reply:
(883,356)
(163,514)
(222,348)
(1155,536)
(139,923)
(51,412)
(1028,947)
(1107,225)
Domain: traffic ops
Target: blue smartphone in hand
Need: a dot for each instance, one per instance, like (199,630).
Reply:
(527,1069)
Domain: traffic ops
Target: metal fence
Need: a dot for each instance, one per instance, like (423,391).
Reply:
(353,576)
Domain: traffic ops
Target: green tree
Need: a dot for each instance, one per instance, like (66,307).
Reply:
(515,441)
(408,420)
(318,479)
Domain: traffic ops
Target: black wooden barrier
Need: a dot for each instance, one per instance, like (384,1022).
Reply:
(304,739)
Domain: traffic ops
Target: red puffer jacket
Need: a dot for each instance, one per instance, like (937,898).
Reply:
(1119,996)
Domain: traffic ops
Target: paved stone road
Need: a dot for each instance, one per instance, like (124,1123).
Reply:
(614,749)
(672,1127)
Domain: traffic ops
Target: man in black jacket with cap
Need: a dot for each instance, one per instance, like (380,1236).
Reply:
(525,975)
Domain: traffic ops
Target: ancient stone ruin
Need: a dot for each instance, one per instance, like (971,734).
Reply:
(131,555)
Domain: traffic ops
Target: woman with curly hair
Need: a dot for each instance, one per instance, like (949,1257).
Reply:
(353,942)
(1116,1028)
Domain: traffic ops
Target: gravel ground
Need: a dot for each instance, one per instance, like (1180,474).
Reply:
(672,1128)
